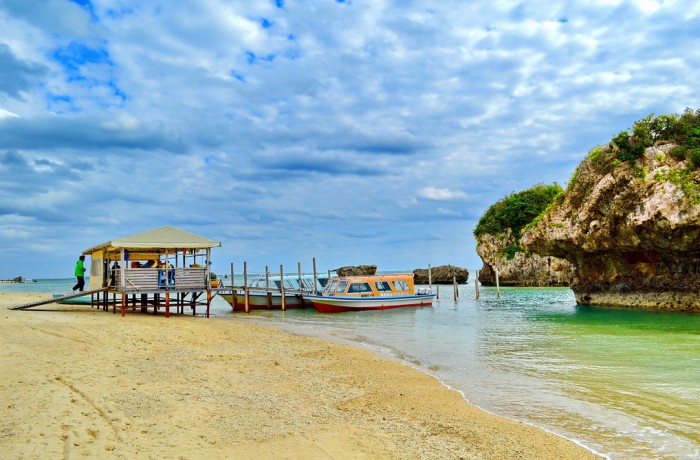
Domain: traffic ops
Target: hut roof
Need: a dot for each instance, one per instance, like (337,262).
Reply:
(160,238)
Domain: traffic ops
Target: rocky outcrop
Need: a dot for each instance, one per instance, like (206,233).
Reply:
(517,267)
(632,230)
(357,270)
(444,274)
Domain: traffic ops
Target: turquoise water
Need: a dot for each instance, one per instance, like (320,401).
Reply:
(625,383)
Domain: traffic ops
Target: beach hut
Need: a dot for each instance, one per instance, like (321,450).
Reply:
(163,267)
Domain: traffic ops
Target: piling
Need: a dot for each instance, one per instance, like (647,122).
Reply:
(301,286)
(430,277)
(476,285)
(245,286)
(268,294)
(498,287)
(282,287)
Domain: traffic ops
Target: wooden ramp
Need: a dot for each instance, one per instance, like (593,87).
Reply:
(56,299)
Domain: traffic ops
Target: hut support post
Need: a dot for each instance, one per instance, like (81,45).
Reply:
(208,301)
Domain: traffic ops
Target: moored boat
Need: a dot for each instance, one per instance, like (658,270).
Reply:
(264,293)
(372,292)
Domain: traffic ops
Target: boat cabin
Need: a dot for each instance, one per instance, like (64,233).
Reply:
(370,286)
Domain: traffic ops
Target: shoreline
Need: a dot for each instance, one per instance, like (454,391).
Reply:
(378,351)
(193,387)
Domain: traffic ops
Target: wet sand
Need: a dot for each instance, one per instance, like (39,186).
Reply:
(79,382)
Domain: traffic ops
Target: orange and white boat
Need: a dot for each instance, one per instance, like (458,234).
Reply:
(373,292)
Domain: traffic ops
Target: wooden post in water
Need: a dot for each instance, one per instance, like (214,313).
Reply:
(284,304)
(268,294)
(299,272)
(315,278)
(454,287)
(438,292)
(476,284)
(234,292)
(498,287)
(245,286)
(430,277)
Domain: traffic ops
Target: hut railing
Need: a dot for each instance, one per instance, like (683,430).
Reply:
(160,279)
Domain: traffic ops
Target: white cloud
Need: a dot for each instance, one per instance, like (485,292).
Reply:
(7,114)
(324,120)
(441,194)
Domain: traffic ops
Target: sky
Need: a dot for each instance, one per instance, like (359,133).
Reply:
(353,131)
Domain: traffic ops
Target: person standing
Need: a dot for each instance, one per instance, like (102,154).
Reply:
(80,274)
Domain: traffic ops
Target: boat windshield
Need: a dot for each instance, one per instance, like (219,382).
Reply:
(330,287)
(359,288)
(341,286)
(401,285)
(382,286)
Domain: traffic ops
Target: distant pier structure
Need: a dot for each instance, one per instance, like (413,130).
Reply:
(162,268)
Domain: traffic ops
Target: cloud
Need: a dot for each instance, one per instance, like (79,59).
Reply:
(285,128)
(440,194)
(17,75)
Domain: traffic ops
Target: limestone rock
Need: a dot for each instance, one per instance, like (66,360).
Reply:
(517,267)
(632,231)
(441,275)
(357,270)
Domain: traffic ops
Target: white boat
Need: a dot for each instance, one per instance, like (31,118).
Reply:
(372,292)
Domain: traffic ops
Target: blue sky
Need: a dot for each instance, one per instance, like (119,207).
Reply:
(374,131)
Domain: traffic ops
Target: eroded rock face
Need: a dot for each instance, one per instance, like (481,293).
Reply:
(356,270)
(444,274)
(633,232)
(522,268)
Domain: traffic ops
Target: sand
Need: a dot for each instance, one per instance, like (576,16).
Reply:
(79,382)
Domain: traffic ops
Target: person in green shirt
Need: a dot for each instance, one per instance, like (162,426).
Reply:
(80,274)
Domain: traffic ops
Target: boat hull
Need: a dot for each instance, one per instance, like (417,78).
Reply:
(261,301)
(335,304)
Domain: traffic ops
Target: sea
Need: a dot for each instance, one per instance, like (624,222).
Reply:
(624,383)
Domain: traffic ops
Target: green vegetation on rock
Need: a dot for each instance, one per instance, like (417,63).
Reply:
(517,210)
(681,130)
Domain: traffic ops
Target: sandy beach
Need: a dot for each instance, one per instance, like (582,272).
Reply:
(79,382)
